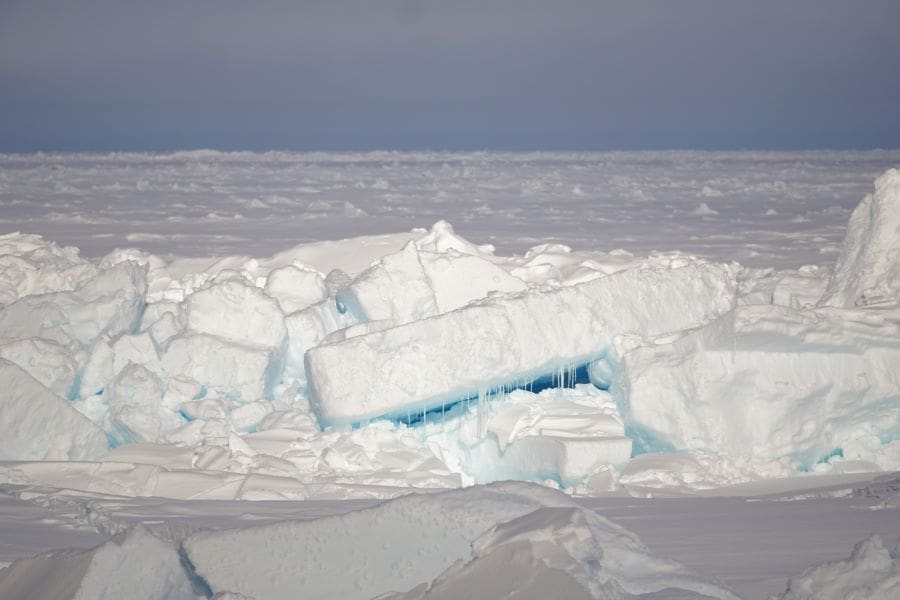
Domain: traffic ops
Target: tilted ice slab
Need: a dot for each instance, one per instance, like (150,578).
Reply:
(415,284)
(868,268)
(134,564)
(36,424)
(423,364)
(772,383)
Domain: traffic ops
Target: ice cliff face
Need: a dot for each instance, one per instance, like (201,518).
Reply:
(868,269)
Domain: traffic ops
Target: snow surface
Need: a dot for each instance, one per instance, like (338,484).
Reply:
(376,365)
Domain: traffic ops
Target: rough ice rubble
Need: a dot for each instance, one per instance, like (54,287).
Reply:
(871,572)
(768,383)
(110,302)
(199,376)
(771,389)
(559,435)
(508,339)
(30,265)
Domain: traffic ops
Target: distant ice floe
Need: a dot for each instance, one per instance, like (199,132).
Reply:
(362,366)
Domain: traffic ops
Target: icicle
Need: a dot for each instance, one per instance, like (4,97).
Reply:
(482,417)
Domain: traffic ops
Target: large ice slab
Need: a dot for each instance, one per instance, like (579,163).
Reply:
(425,363)
(36,424)
(772,383)
(868,268)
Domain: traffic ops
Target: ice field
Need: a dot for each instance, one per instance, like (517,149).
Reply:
(394,375)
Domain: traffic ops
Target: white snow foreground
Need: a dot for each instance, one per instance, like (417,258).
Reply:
(435,545)
(502,540)
(134,564)
(872,572)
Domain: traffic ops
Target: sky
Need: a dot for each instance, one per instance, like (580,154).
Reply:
(434,74)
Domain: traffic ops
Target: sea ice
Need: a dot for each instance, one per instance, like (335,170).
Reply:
(767,383)
(870,573)
(508,339)
(236,312)
(227,368)
(451,543)
(295,288)
(36,424)
(111,303)
(868,268)
(135,565)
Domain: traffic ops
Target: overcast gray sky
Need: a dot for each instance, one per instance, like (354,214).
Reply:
(429,74)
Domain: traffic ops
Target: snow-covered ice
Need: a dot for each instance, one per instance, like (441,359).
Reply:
(871,572)
(423,361)
(504,340)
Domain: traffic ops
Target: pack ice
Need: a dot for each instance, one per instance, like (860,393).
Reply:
(361,366)
(782,388)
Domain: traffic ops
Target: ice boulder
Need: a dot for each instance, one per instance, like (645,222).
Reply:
(51,363)
(868,268)
(295,288)
(442,239)
(111,303)
(307,328)
(236,312)
(502,340)
(36,424)
(29,265)
(769,383)
(561,434)
(136,411)
(395,289)
(458,279)
(241,373)
(135,565)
